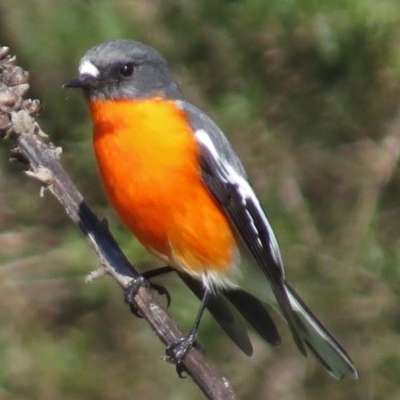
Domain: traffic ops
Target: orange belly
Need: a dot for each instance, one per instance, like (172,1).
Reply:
(148,163)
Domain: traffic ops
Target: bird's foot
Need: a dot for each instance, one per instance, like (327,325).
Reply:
(177,351)
(131,290)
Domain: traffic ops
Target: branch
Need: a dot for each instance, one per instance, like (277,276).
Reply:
(18,125)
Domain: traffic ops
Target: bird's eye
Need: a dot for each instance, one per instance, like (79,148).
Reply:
(126,70)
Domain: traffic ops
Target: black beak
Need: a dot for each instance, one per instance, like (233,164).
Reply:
(83,82)
(74,84)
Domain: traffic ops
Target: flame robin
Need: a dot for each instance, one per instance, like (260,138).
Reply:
(177,184)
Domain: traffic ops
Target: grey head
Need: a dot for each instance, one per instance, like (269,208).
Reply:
(124,69)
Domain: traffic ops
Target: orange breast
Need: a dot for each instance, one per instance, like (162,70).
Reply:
(147,157)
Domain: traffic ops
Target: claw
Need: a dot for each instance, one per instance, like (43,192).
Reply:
(181,371)
(131,290)
(162,291)
(177,350)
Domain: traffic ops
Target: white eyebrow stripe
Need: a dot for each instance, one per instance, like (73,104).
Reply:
(88,68)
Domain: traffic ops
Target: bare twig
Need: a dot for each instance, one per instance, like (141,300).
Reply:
(17,124)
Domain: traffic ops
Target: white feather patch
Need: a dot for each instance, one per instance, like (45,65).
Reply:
(246,193)
(213,280)
(88,68)
(204,138)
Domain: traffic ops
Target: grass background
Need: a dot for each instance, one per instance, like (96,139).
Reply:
(308,92)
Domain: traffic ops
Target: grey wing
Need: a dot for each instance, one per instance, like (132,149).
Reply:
(225,178)
(200,121)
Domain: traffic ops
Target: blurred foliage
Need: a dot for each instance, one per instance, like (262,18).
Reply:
(308,92)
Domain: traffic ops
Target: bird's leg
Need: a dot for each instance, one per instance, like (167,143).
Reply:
(177,351)
(143,280)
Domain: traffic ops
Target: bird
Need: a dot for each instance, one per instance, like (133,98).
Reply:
(177,184)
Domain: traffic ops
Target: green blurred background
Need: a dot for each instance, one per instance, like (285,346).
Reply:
(308,91)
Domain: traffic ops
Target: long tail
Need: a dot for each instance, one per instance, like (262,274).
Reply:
(319,340)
